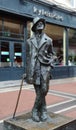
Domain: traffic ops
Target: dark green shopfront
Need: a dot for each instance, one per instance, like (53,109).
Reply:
(15,27)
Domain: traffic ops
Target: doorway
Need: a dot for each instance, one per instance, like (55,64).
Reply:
(12,59)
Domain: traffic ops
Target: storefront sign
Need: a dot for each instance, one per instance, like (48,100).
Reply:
(47,14)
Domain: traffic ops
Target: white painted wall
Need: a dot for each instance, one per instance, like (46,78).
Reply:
(70,3)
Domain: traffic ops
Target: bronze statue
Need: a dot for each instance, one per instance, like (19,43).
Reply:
(39,54)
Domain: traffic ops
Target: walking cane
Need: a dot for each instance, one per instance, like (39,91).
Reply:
(23,77)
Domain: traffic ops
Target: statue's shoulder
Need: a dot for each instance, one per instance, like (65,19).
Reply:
(48,38)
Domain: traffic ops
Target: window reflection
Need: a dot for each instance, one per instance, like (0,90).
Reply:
(29,26)
(56,33)
(5,56)
(11,28)
(17,55)
(72,47)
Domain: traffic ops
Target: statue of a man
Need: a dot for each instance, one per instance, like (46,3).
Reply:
(39,54)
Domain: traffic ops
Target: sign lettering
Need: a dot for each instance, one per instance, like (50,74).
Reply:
(47,14)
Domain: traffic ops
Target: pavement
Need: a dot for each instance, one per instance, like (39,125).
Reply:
(61,98)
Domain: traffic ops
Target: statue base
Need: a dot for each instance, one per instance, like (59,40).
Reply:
(54,122)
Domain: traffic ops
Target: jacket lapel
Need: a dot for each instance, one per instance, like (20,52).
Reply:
(42,41)
(34,41)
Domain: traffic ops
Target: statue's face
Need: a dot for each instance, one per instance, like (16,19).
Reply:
(40,25)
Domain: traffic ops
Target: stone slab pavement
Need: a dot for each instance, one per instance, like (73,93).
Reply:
(60,99)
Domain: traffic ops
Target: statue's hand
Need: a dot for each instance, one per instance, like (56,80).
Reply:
(24,76)
(54,57)
(31,81)
(52,66)
(52,63)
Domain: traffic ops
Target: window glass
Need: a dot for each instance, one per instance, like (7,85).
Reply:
(56,33)
(11,28)
(72,47)
(5,56)
(17,55)
(29,26)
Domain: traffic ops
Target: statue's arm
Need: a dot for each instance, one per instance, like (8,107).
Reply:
(50,47)
(51,53)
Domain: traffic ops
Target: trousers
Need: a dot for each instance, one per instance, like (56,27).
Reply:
(40,101)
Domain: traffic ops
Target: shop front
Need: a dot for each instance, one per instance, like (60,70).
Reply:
(15,28)
(12,48)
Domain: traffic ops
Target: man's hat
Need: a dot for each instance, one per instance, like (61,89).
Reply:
(35,21)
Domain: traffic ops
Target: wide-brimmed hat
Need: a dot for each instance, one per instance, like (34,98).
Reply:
(35,21)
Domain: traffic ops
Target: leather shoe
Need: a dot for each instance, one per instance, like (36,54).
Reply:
(43,116)
(35,116)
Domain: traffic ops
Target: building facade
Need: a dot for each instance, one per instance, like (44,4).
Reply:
(15,27)
(67,3)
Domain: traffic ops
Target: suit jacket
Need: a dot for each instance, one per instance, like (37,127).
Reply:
(38,54)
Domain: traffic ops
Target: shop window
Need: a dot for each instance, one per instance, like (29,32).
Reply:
(29,26)
(72,47)
(17,55)
(5,56)
(56,33)
(11,28)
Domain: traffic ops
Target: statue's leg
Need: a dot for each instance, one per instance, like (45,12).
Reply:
(44,90)
(36,107)
(43,110)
